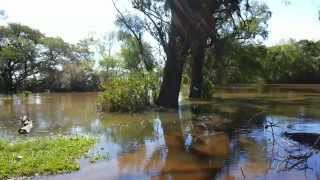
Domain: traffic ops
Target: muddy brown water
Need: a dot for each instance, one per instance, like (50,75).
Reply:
(235,142)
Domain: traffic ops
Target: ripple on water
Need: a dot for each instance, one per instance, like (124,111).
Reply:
(172,145)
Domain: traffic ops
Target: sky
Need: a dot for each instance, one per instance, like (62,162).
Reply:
(70,19)
(76,19)
(298,20)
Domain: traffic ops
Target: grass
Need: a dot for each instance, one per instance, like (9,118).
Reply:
(48,155)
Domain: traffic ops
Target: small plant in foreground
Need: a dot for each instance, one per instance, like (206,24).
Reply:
(49,155)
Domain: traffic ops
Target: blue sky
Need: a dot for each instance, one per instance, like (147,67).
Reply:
(299,20)
(76,19)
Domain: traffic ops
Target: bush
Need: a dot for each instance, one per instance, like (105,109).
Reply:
(129,93)
(207,88)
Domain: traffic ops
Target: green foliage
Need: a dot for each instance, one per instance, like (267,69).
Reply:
(110,67)
(209,76)
(129,93)
(293,62)
(244,63)
(18,54)
(31,61)
(241,65)
(81,76)
(208,88)
(130,52)
(74,76)
(130,25)
(26,93)
(42,156)
(255,24)
(129,59)
(54,51)
(82,51)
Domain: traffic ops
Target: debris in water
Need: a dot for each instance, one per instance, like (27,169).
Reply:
(27,125)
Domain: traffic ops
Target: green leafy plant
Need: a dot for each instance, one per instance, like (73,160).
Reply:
(129,93)
(49,155)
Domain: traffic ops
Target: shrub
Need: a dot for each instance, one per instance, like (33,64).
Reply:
(129,93)
(207,88)
(26,93)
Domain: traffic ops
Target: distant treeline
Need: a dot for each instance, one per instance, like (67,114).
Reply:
(293,62)
(31,61)
(290,62)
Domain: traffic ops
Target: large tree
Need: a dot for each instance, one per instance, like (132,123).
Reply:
(244,24)
(55,52)
(181,25)
(29,60)
(130,53)
(18,55)
(293,62)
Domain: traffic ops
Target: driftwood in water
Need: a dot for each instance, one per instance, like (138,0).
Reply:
(27,125)
(311,139)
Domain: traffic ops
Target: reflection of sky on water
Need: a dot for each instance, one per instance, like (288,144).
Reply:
(268,154)
(158,144)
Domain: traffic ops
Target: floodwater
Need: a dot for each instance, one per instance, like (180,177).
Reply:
(237,135)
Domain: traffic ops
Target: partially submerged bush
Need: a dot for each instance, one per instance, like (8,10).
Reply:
(129,93)
(26,93)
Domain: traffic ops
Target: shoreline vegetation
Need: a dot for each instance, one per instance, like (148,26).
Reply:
(42,156)
(133,93)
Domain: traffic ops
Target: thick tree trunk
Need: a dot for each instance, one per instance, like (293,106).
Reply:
(176,50)
(9,83)
(198,54)
(7,76)
(170,87)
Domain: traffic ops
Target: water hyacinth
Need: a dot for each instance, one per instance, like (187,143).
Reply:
(48,155)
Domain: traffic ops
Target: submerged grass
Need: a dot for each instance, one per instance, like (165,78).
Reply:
(49,155)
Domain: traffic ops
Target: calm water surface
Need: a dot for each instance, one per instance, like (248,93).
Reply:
(178,145)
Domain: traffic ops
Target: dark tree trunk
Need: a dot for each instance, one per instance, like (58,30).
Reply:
(170,87)
(8,81)
(180,39)
(198,54)
(7,77)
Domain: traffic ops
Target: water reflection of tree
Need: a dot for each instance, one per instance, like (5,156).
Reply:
(169,152)
(289,101)
(131,133)
(286,155)
(278,155)
(242,116)
(250,155)
(166,154)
